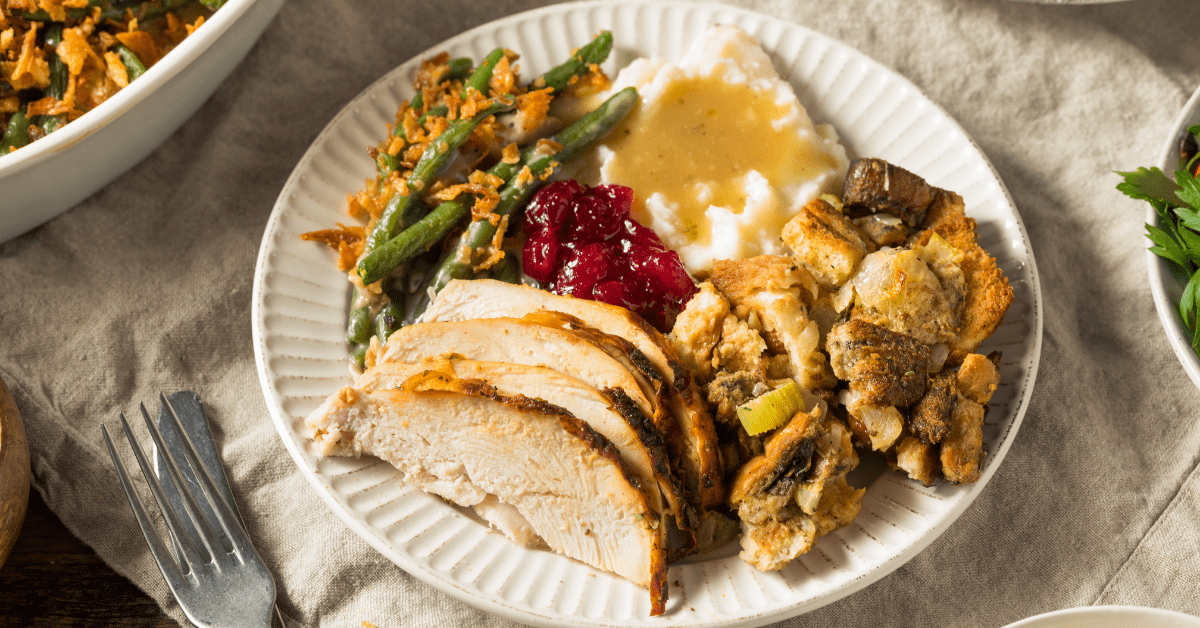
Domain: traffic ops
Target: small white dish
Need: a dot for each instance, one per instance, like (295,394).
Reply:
(299,309)
(53,174)
(1166,289)
(1110,617)
(1070,1)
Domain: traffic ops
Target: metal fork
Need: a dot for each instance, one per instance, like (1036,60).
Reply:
(221,581)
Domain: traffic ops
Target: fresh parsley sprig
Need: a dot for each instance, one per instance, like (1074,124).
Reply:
(1177,238)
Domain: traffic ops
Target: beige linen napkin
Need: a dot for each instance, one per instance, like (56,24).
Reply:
(1166,564)
(145,287)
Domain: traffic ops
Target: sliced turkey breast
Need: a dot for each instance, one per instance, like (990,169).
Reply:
(487,298)
(616,418)
(565,479)
(649,379)
(464,300)
(683,420)
(517,342)
(507,519)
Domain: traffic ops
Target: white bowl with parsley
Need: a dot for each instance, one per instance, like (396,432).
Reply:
(1172,281)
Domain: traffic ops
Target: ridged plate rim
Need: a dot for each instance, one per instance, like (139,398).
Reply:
(306,314)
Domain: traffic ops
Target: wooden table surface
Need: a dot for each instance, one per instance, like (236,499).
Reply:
(54,580)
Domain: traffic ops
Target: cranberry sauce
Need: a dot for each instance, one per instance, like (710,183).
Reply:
(582,242)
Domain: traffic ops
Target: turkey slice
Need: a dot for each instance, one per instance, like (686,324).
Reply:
(517,342)
(449,436)
(613,417)
(464,300)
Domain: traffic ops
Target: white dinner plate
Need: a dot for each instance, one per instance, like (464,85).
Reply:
(1110,617)
(299,318)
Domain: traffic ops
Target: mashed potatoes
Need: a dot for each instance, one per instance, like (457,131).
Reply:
(720,153)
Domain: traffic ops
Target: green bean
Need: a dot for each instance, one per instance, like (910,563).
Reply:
(482,76)
(16,134)
(59,77)
(133,66)
(412,241)
(359,328)
(458,68)
(153,10)
(59,73)
(213,4)
(515,194)
(75,14)
(425,233)
(508,270)
(388,320)
(358,355)
(412,215)
(439,110)
(396,289)
(437,154)
(418,268)
(387,163)
(50,124)
(593,53)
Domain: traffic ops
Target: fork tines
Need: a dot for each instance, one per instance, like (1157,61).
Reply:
(224,561)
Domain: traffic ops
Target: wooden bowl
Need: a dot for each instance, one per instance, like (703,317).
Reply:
(14,473)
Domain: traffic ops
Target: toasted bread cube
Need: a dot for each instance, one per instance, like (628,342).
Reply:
(962,448)
(978,378)
(825,241)
(918,459)
(988,291)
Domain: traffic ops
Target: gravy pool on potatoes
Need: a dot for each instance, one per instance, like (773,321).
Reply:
(720,153)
